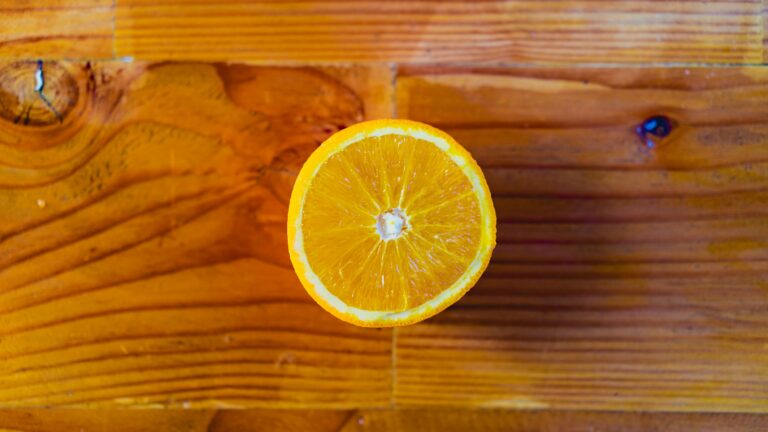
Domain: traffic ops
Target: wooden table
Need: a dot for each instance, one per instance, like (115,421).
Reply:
(143,260)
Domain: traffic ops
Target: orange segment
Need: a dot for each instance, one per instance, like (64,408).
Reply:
(390,222)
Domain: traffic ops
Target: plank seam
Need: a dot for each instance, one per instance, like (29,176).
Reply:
(394,68)
(114,29)
(393,399)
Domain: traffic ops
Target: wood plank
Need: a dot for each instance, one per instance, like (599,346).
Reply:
(282,420)
(142,242)
(371,420)
(44,420)
(56,29)
(549,421)
(765,31)
(629,275)
(424,31)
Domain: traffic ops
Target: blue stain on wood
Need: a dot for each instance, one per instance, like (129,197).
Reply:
(658,126)
(39,80)
(40,85)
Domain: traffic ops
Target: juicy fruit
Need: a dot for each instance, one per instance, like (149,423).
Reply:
(390,221)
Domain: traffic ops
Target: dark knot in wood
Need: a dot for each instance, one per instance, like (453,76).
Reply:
(36,93)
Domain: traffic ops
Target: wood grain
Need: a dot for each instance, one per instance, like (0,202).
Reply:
(549,421)
(628,276)
(43,420)
(142,242)
(56,29)
(422,31)
(257,420)
(765,31)
(282,420)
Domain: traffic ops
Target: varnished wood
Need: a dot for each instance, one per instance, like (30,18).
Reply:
(627,275)
(459,420)
(424,31)
(56,29)
(42,420)
(371,420)
(440,31)
(142,206)
(142,238)
(765,31)
(281,420)
(143,256)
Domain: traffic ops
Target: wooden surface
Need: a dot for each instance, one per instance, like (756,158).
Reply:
(142,209)
(429,31)
(143,245)
(56,29)
(423,31)
(143,258)
(765,31)
(626,277)
(371,421)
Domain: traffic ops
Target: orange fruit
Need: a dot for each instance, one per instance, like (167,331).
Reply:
(390,222)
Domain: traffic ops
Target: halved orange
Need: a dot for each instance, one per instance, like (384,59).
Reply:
(390,222)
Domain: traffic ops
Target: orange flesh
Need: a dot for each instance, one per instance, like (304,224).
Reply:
(419,186)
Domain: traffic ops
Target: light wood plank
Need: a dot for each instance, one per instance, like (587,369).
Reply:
(627,276)
(765,31)
(142,239)
(56,29)
(560,31)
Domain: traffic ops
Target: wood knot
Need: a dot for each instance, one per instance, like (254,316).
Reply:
(36,93)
